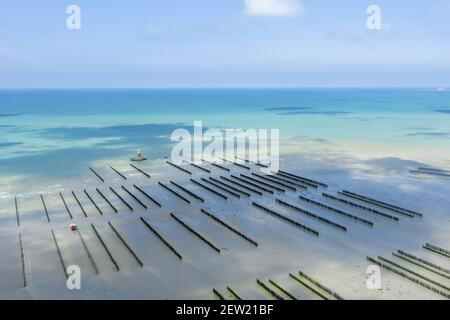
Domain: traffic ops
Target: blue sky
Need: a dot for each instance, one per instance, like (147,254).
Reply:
(224,43)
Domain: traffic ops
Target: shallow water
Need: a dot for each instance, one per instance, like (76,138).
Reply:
(48,135)
(361,140)
(335,258)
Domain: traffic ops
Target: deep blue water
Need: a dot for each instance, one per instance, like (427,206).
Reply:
(76,102)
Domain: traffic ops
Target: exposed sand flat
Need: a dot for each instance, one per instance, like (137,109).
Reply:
(336,258)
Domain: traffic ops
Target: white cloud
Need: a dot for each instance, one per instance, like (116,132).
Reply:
(273,7)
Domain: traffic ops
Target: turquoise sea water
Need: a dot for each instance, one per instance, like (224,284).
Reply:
(59,133)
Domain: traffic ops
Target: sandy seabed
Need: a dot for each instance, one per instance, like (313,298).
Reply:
(335,258)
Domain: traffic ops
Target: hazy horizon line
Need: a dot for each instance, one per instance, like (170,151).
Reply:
(434,88)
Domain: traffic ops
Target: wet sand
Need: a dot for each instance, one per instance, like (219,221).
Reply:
(335,258)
